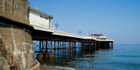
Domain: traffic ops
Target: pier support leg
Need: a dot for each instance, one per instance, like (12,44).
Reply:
(46,46)
(99,45)
(89,45)
(71,45)
(111,44)
(65,44)
(51,47)
(58,45)
(68,45)
(74,45)
(54,45)
(40,46)
(105,44)
(95,45)
(83,45)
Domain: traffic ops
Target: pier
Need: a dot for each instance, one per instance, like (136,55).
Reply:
(46,37)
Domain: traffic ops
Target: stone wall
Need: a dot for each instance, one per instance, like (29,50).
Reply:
(16,47)
(16,10)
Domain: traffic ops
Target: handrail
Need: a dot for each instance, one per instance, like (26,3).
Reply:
(63,33)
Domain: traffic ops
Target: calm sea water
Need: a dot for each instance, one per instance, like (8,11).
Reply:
(121,57)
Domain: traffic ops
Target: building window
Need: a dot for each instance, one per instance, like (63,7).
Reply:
(41,16)
(46,18)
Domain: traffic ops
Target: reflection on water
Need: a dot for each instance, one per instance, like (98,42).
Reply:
(122,57)
(70,58)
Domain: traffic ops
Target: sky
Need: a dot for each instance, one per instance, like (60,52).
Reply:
(117,19)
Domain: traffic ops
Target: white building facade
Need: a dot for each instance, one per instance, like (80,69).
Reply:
(39,19)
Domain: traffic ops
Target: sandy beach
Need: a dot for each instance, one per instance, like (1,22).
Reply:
(55,68)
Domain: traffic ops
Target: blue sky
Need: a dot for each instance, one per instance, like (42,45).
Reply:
(117,19)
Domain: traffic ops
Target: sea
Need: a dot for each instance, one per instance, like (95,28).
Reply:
(121,57)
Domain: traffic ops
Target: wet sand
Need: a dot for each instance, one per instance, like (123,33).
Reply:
(54,68)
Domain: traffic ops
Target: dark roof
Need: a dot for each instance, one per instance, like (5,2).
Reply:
(42,13)
(96,35)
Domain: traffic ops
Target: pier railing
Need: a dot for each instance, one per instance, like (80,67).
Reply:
(42,28)
(58,32)
(67,34)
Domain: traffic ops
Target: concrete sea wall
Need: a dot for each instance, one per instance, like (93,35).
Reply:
(16,47)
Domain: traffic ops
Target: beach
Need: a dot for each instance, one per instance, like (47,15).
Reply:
(55,68)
